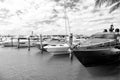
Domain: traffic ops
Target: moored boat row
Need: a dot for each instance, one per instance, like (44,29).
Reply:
(99,49)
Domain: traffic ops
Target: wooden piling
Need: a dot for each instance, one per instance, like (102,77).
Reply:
(38,38)
(71,40)
(41,45)
(71,46)
(18,46)
(1,39)
(29,44)
(12,41)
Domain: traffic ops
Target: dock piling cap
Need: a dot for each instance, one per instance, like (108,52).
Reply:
(71,35)
(111,25)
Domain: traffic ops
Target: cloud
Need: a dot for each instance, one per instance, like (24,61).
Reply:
(2,1)
(47,16)
(95,10)
(102,19)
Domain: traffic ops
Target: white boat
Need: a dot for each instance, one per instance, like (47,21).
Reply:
(48,42)
(57,49)
(100,49)
(24,43)
(9,43)
(15,43)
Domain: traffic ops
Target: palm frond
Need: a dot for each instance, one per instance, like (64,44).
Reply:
(116,6)
(111,2)
(98,3)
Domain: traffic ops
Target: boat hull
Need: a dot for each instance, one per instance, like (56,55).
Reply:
(25,44)
(9,44)
(97,57)
(57,49)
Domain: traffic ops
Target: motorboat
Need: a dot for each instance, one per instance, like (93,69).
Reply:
(9,42)
(18,42)
(26,42)
(48,42)
(99,49)
(60,47)
(57,48)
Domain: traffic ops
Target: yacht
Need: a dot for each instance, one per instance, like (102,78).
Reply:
(57,48)
(9,42)
(99,49)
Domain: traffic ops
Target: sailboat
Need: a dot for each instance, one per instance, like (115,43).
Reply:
(62,47)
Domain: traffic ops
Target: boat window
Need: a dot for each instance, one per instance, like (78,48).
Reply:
(53,45)
(61,45)
(105,36)
(109,36)
(22,42)
(97,36)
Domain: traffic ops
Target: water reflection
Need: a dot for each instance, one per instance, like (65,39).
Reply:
(33,65)
(104,71)
(108,70)
(39,53)
(59,57)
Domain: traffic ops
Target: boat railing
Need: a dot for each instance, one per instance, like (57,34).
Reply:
(95,45)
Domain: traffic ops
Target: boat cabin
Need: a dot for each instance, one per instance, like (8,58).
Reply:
(106,35)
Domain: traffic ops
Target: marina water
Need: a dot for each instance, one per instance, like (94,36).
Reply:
(21,64)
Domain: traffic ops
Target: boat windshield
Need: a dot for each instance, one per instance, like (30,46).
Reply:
(104,36)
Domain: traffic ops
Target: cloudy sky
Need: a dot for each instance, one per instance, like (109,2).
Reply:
(48,17)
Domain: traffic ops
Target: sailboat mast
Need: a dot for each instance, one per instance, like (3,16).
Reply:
(65,16)
(67,23)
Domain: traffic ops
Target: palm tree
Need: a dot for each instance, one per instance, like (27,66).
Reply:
(115,4)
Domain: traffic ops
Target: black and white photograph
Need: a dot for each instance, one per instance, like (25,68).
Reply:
(59,39)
